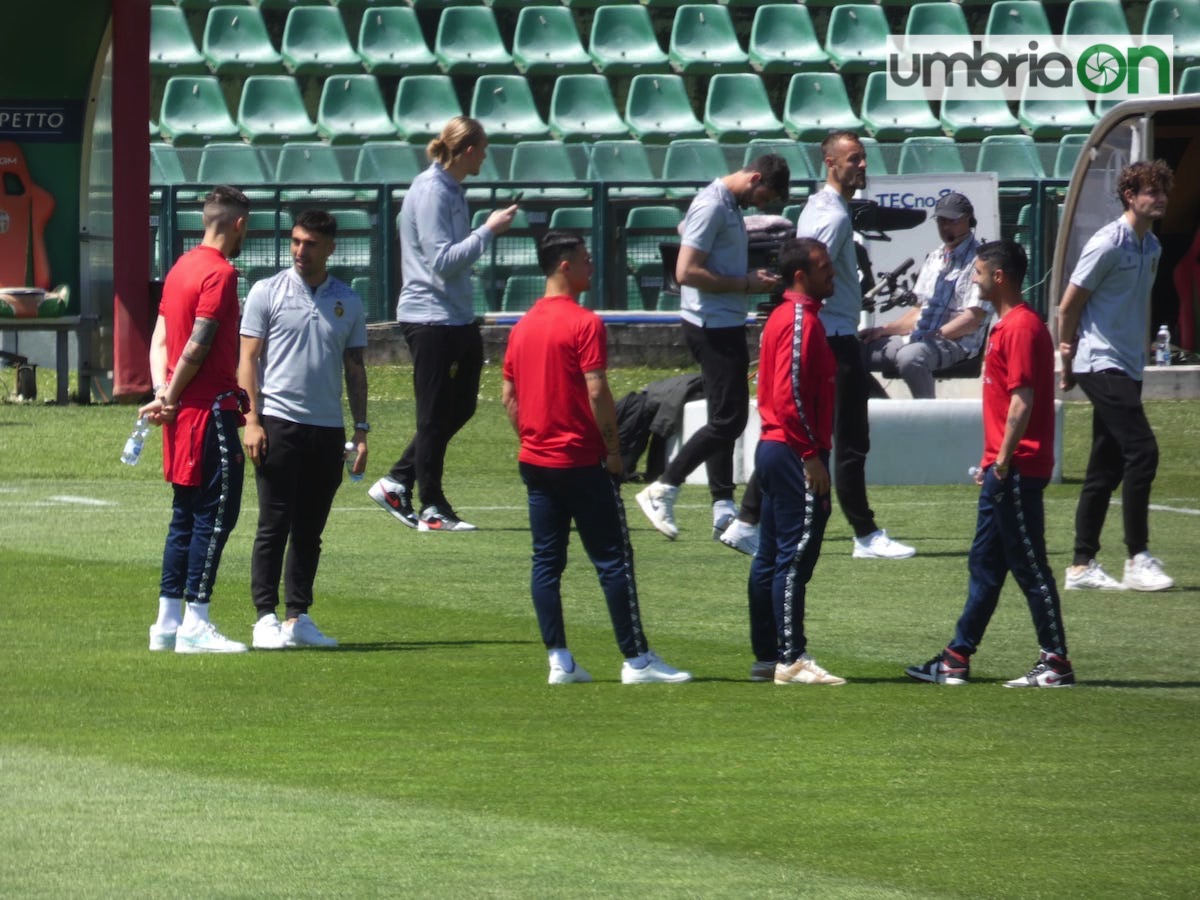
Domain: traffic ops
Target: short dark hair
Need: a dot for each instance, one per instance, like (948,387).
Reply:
(224,205)
(1007,256)
(831,141)
(774,171)
(796,256)
(1141,175)
(318,221)
(555,246)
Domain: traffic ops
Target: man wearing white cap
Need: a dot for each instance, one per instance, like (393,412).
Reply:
(947,327)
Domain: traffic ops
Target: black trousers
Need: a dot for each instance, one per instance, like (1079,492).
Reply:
(296,482)
(724,362)
(852,433)
(1123,450)
(447,365)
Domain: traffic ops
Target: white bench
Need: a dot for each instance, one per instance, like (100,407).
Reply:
(912,441)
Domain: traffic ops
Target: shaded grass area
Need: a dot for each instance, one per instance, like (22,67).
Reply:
(426,756)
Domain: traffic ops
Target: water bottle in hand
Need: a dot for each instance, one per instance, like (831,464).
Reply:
(137,439)
(351,456)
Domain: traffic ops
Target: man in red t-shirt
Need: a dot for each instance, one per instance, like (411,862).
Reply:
(557,397)
(797,378)
(193,361)
(1018,459)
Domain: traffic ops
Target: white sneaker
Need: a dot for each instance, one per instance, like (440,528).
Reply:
(724,513)
(654,672)
(559,675)
(162,638)
(878,545)
(206,639)
(658,503)
(804,671)
(268,634)
(303,632)
(1093,578)
(1145,573)
(762,670)
(741,537)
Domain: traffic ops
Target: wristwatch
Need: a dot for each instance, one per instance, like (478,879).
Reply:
(364,427)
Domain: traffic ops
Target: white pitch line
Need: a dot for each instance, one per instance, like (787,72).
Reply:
(82,501)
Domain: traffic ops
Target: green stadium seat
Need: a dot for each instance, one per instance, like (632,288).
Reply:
(504,105)
(514,252)
(308,162)
(783,40)
(930,19)
(468,42)
(522,291)
(658,111)
(284,4)
(645,228)
(930,155)
(623,42)
(236,42)
(1181,19)
(1010,22)
(817,104)
(613,161)
(799,163)
(351,110)
(272,111)
(1010,156)
(231,163)
(193,112)
(698,161)
(982,112)
(858,39)
(172,50)
(703,41)
(489,172)
(895,120)
(165,166)
(534,162)
(315,43)
(547,43)
(737,109)
(1068,113)
(390,42)
(573,218)
(1086,18)
(423,106)
(1069,148)
(1189,81)
(389,162)
(582,109)
(876,161)
(364,286)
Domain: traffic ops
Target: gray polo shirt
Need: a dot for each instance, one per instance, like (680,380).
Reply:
(437,250)
(714,224)
(826,217)
(305,335)
(1119,271)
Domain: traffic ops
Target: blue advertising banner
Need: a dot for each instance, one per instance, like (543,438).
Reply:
(44,121)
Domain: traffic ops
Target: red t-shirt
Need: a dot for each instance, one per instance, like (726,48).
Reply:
(1020,353)
(549,350)
(203,285)
(796,378)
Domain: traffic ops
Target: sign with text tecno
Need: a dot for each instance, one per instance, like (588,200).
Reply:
(34,121)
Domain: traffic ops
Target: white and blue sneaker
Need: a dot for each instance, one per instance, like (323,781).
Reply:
(268,634)
(559,675)
(206,639)
(162,638)
(303,632)
(655,671)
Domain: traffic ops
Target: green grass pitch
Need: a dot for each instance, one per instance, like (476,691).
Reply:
(427,757)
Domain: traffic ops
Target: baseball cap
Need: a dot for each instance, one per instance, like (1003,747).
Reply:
(953,206)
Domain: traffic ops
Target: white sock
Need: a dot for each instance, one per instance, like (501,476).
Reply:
(723,508)
(170,612)
(195,616)
(562,656)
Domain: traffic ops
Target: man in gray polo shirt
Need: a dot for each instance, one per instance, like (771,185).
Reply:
(1103,334)
(826,217)
(302,332)
(714,282)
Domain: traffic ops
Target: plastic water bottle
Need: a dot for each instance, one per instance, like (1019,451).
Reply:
(351,455)
(137,439)
(1162,346)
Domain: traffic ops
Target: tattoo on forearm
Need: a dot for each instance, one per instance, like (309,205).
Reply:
(204,332)
(356,383)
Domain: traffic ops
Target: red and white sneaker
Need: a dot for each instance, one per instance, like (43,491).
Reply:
(1051,671)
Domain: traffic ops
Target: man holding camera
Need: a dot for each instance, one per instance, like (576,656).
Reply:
(947,327)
